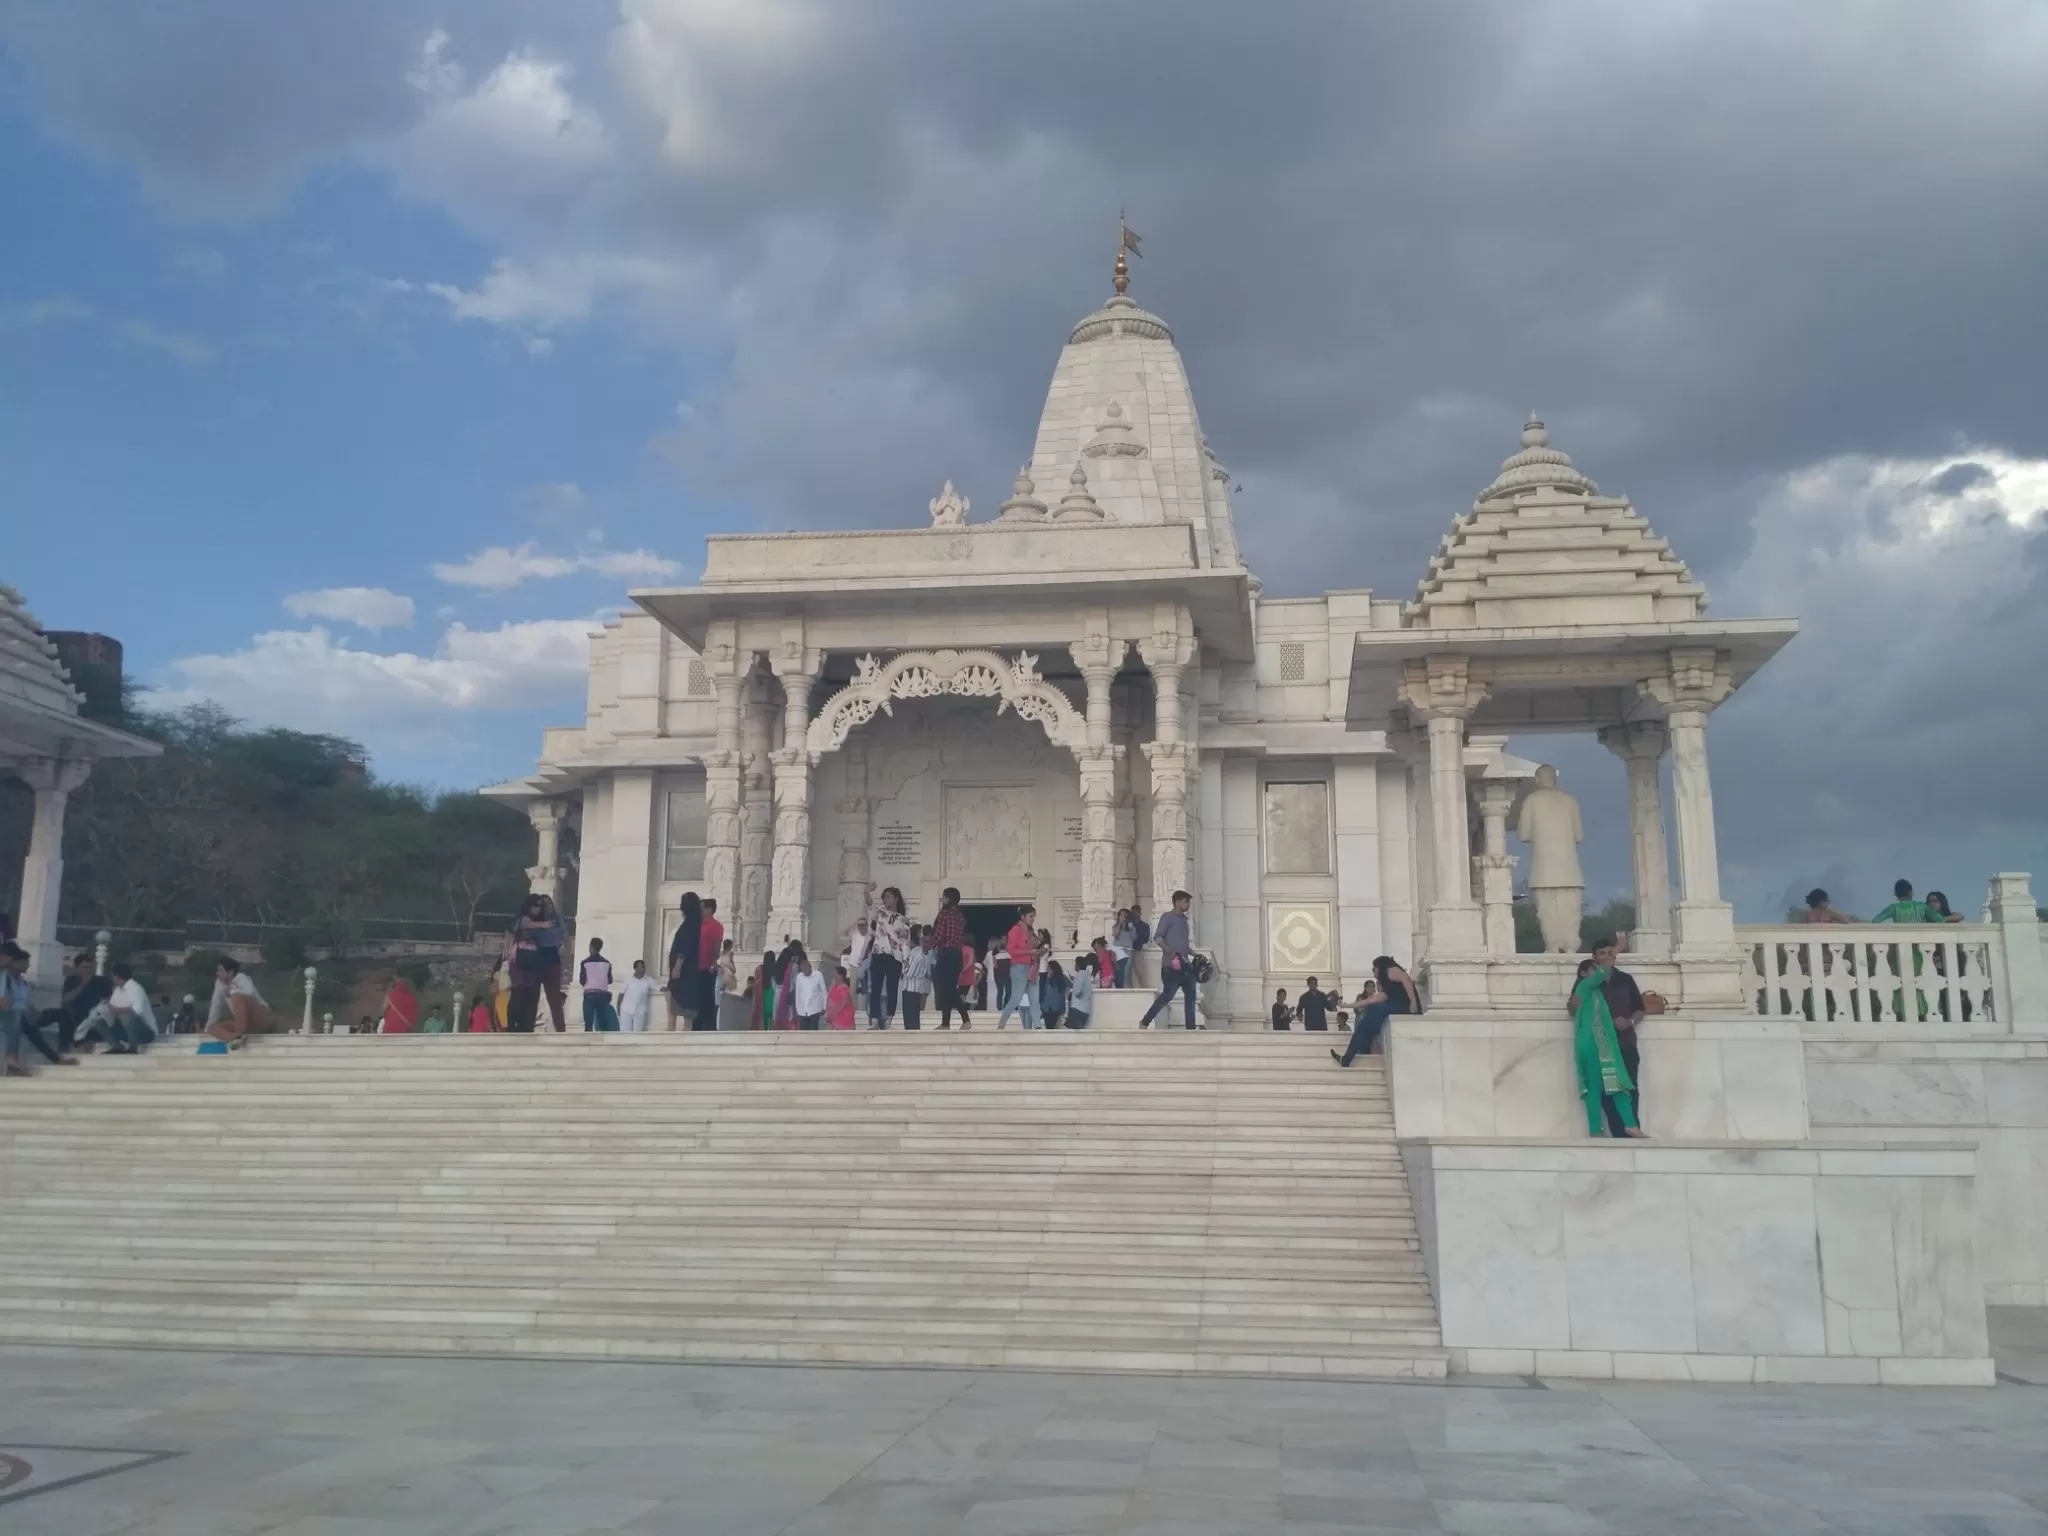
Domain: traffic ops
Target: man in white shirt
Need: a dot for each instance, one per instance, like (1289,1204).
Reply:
(808,995)
(134,1019)
(238,1008)
(636,1000)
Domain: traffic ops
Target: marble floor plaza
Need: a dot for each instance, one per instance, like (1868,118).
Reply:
(176,1443)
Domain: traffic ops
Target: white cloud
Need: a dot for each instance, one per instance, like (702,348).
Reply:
(499,568)
(364,607)
(306,679)
(687,58)
(59,309)
(183,345)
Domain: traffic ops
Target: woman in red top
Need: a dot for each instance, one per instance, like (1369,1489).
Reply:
(401,1008)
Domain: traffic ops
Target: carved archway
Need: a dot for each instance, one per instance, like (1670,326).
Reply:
(1013,683)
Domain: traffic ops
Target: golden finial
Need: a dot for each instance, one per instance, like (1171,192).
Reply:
(1126,240)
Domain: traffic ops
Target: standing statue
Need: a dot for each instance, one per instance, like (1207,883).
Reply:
(1550,825)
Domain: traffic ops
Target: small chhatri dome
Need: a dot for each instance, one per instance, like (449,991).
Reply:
(1023,506)
(1537,467)
(30,673)
(1079,504)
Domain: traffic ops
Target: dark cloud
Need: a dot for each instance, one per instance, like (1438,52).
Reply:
(1717,245)
(1958,478)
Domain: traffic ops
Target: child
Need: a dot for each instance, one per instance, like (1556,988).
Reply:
(1283,1016)
(839,1001)
(917,977)
(808,998)
(595,975)
(1082,1003)
(1052,996)
(1105,964)
(483,1019)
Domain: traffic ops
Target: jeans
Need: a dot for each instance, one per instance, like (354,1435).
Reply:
(1020,998)
(1632,1058)
(809,1020)
(1173,978)
(1123,970)
(913,1010)
(708,991)
(599,1015)
(885,975)
(20,1027)
(1367,1029)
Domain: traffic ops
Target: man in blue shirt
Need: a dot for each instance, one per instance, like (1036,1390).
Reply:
(1176,962)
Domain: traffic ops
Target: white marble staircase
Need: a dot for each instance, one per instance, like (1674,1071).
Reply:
(1163,1201)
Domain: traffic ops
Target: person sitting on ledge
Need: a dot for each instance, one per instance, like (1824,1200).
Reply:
(1393,991)
(238,1009)
(17,1014)
(1605,1087)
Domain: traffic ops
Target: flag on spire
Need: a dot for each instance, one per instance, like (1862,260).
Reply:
(1126,240)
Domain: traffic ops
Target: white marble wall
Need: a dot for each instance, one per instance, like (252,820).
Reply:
(1512,1075)
(1993,1092)
(1822,1262)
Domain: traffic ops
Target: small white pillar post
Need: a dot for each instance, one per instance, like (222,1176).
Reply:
(42,872)
(312,975)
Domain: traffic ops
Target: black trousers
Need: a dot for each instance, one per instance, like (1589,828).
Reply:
(946,986)
(885,974)
(913,1010)
(1632,1058)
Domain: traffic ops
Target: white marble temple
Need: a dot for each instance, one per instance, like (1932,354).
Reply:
(1787,1261)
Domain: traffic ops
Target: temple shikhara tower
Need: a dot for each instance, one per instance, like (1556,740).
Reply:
(1083,700)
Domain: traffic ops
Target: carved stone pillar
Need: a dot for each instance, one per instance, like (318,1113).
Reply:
(722,769)
(789,889)
(42,872)
(1168,651)
(1697,681)
(544,878)
(1640,745)
(1098,658)
(1126,812)
(1496,867)
(853,810)
(757,813)
(1442,693)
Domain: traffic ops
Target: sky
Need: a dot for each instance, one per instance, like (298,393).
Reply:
(355,359)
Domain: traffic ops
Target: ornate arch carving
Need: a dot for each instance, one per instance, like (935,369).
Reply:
(1013,683)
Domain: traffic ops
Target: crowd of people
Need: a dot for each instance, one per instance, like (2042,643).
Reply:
(887,968)
(109,1007)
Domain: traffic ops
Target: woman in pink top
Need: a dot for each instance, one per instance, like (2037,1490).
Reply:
(839,1002)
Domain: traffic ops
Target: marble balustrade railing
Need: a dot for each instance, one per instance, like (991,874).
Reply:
(1877,973)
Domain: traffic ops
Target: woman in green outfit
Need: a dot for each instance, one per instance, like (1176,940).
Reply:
(1601,1072)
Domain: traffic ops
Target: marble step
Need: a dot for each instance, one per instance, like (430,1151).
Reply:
(1380,1285)
(735,1222)
(1030,1200)
(1052,1355)
(206,1278)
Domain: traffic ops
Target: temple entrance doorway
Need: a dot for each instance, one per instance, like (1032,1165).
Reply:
(989,921)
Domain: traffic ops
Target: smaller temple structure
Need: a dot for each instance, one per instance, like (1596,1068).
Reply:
(47,743)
